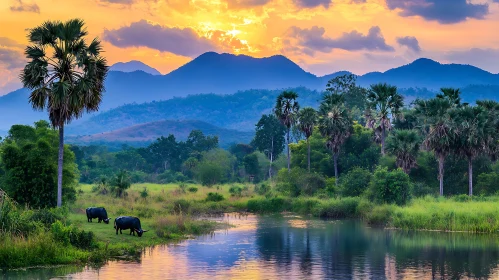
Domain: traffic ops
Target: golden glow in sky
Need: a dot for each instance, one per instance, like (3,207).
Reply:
(322,36)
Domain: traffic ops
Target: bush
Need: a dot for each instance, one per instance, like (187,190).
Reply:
(144,193)
(235,191)
(69,235)
(310,183)
(299,181)
(262,189)
(355,182)
(215,197)
(192,189)
(390,186)
(181,206)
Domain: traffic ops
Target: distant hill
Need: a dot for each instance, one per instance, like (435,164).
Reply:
(238,111)
(133,66)
(427,73)
(143,134)
(227,74)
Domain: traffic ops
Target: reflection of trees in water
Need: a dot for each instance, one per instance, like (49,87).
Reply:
(40,273)
(347,248)
(449,255)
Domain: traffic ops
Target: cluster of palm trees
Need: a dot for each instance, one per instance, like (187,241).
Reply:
(443,125)
(452,127)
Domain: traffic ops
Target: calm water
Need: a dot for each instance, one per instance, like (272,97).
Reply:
(292,247)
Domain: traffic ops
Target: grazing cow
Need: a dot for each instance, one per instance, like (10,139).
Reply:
(127,222)
(97,212)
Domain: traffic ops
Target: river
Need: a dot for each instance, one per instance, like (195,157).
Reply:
(294,247)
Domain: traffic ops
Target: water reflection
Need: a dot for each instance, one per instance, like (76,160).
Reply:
(298,248)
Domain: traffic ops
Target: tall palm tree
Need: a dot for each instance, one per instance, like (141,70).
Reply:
(404,144)
(437,126)
(286,110)
(335,123)
(472,133)
(307,119)
(383,104)
(66,76)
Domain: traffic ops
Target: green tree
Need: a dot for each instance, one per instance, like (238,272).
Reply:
(472,130)
(269,138)
(286,110)
(437,127)
(383,104)
(404,145)
(31,167)
(251,165)
(335,124)
(209,173)
(307,119)
(66,76)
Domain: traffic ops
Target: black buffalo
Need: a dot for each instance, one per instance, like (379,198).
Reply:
(127,222)
(97,212)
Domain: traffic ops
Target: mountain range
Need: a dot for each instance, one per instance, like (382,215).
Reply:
(224,74)
(133,66)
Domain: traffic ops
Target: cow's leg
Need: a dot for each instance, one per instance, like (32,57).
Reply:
(121,232)
(116,230)
(99,220)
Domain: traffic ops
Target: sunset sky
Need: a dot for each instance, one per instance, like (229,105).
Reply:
(322,36)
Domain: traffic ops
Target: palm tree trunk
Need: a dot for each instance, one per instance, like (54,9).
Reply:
(382,140)
(60,165)
(289,158)
(335,160)
(441,174)
(271,159)
(470,176)
(308,143)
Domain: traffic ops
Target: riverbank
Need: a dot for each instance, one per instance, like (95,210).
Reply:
(171,213)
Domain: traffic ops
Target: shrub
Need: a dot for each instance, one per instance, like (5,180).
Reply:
(144,193)
(120,183)
(69,235)
(331,187)
(193,189)
(215,197)
(262,189)
(310,183)
(390,186)
(355,182)
(181,206)
(235,191)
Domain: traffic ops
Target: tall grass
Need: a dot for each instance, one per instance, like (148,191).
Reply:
(37,249)
(448,215)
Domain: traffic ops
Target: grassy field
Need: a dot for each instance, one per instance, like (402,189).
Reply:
(168,212)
